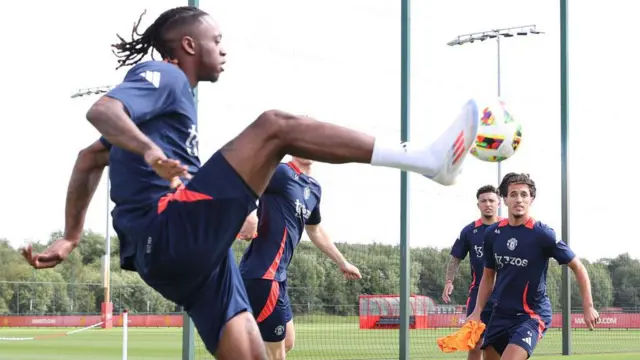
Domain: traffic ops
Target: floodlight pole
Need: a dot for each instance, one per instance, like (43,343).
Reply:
(188,328)
(564,172)
(405,260)
(496,34)
(107,306)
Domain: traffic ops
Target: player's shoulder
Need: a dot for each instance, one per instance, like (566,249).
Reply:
(157,72)
(313,182)
(493,228)
(283,174)
(471,226)
(287,168)
(154,65)
(544,229)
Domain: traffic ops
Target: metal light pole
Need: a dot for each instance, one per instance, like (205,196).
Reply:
(188,328)
(107,306)
(564,172)
(405,262)
(496,34)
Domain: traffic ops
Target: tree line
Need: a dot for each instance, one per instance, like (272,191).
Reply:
(315,283)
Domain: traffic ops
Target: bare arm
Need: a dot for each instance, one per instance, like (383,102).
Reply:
(109,116)
(249,228)
(320,239)
(452,269)
(84,180)
(582,277)
(485,289)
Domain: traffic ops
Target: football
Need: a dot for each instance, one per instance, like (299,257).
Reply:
(499,133)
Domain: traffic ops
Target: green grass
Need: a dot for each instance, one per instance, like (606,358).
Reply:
(336,340)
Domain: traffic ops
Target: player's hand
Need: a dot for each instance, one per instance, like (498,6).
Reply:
(446,292)
(52,256)
(249,228)
(474,316)
(168,169)
(350,271)
(591,317)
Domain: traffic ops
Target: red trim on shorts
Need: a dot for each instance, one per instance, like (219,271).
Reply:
(530,311)
(272,300)
(182,194)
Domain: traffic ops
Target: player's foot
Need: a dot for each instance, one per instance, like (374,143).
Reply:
(452,147)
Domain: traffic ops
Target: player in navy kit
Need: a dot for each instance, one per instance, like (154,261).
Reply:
(516,253)
(289,206)
(470,242)
(176,218)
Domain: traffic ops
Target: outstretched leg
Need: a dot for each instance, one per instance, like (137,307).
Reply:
(256,152)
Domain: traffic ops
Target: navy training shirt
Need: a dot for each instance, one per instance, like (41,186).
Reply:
(160,101)
(470,242)
(520,256)
(291,201)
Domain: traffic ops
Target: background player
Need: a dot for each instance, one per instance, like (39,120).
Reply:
(179,241)
(470,241)
(516,253)
(289,205)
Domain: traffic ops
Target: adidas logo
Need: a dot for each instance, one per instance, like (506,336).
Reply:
(153,77)
(527,340)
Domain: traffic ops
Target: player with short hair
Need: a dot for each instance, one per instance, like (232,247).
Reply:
(176,218)
(289,206)
(470,242)
(517,252)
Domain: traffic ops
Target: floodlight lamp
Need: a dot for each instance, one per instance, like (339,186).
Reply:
(454,42)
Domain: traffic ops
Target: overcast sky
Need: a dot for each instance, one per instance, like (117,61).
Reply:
(338,60)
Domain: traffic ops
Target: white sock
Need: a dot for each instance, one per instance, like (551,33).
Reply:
(407,157)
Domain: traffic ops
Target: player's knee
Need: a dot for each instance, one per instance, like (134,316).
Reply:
(275,123)
(288,345)
(241,339)
(289,341)
(276,350)
(475,354)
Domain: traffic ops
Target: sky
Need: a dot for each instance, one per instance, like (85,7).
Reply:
(338,61)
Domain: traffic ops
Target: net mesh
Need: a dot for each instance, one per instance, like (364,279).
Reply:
(336,319)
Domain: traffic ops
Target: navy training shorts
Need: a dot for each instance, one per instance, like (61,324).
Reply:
(187,256)
(524,331)
(271,307)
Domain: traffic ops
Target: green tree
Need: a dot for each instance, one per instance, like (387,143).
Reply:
(304,278)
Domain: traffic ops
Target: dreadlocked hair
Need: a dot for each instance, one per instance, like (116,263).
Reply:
(131,52)
(514,178)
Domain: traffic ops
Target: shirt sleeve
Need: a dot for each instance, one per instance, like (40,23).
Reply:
(460,247)
(487,248)
(315,218)
(105,143)
(555,247)
(148,91)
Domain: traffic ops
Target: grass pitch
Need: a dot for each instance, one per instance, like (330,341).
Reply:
(331,340)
